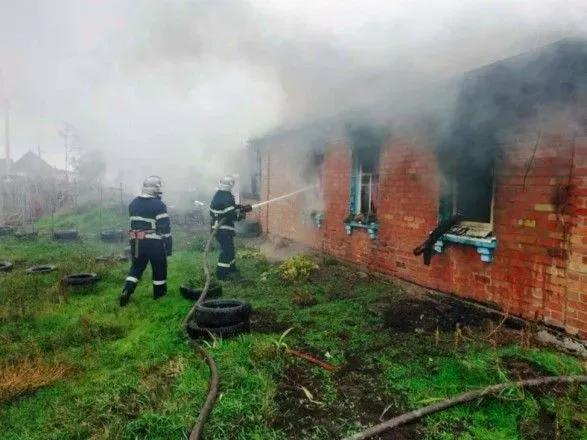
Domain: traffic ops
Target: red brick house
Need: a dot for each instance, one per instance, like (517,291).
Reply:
(504,145)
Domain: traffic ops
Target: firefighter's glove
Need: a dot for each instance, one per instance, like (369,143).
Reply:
(246,208)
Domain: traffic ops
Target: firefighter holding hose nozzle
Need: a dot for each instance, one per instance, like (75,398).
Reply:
(224,212)
(150,239)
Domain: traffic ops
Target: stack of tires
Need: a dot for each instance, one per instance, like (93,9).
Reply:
(221,318)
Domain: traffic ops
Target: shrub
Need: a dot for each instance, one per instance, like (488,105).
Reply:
(297,269)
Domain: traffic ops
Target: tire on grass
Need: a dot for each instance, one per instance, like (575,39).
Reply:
(222,312)
(196,331)
(215,291)
(66,235)
(112,235)
(42,269)
(6,266)
(24,236)
(81,279)
(6,231)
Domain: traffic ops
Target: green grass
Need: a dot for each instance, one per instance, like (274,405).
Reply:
(133,375)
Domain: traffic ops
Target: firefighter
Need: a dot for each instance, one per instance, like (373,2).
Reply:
(224,212)
(150,239)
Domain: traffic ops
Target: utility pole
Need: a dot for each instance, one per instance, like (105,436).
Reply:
(7,139)
(65,133)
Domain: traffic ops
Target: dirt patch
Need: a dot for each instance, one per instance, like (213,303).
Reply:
(426,313)
(521,369)
(265,321)
(358,399)
(543,428)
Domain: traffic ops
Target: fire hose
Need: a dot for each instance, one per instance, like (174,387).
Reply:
(214,376)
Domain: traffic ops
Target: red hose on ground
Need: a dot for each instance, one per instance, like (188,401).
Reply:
(311,359)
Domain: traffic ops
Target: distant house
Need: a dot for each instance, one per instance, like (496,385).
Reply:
(32,166)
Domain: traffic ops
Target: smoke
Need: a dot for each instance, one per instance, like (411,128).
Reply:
(176,87)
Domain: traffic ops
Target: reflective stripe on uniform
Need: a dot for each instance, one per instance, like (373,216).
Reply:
(159,283)
(136,218)
(165,235)
(132,279)
(233,262)
(160,216)
(222,211)
(153,236)
(223,265)
(227,228)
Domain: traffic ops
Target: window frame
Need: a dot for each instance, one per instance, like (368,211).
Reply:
(373,186)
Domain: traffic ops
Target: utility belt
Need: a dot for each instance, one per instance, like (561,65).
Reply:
(142,234)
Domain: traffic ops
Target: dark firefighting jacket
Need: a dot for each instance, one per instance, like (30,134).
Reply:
(149,214)
(224,207)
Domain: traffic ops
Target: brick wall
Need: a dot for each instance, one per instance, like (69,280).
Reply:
(539,270)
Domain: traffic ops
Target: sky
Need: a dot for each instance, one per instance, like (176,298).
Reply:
(176,87)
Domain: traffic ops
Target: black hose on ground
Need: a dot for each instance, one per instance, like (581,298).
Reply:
(214,376)
(462,398)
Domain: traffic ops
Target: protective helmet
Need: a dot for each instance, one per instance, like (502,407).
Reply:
(226,183)
(152,186)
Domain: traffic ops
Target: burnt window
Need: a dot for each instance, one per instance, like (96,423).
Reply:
(474,195)
(470,193)
(252,185)
(313,171)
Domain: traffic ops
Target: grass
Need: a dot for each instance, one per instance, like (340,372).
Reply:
(83,368)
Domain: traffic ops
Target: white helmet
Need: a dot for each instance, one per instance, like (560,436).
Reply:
(152,186)
(226,183)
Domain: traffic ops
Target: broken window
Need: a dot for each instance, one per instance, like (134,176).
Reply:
(470,193)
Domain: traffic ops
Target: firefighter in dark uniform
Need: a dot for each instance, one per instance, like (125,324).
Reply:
(150,240)
(224,212)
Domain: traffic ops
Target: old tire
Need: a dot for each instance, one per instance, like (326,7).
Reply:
(26,235)
(196,331)
(6,231)
(215,291)
(66,235)
(5,266)
(42,269)
(222,312)
(112,235)
(81,279)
